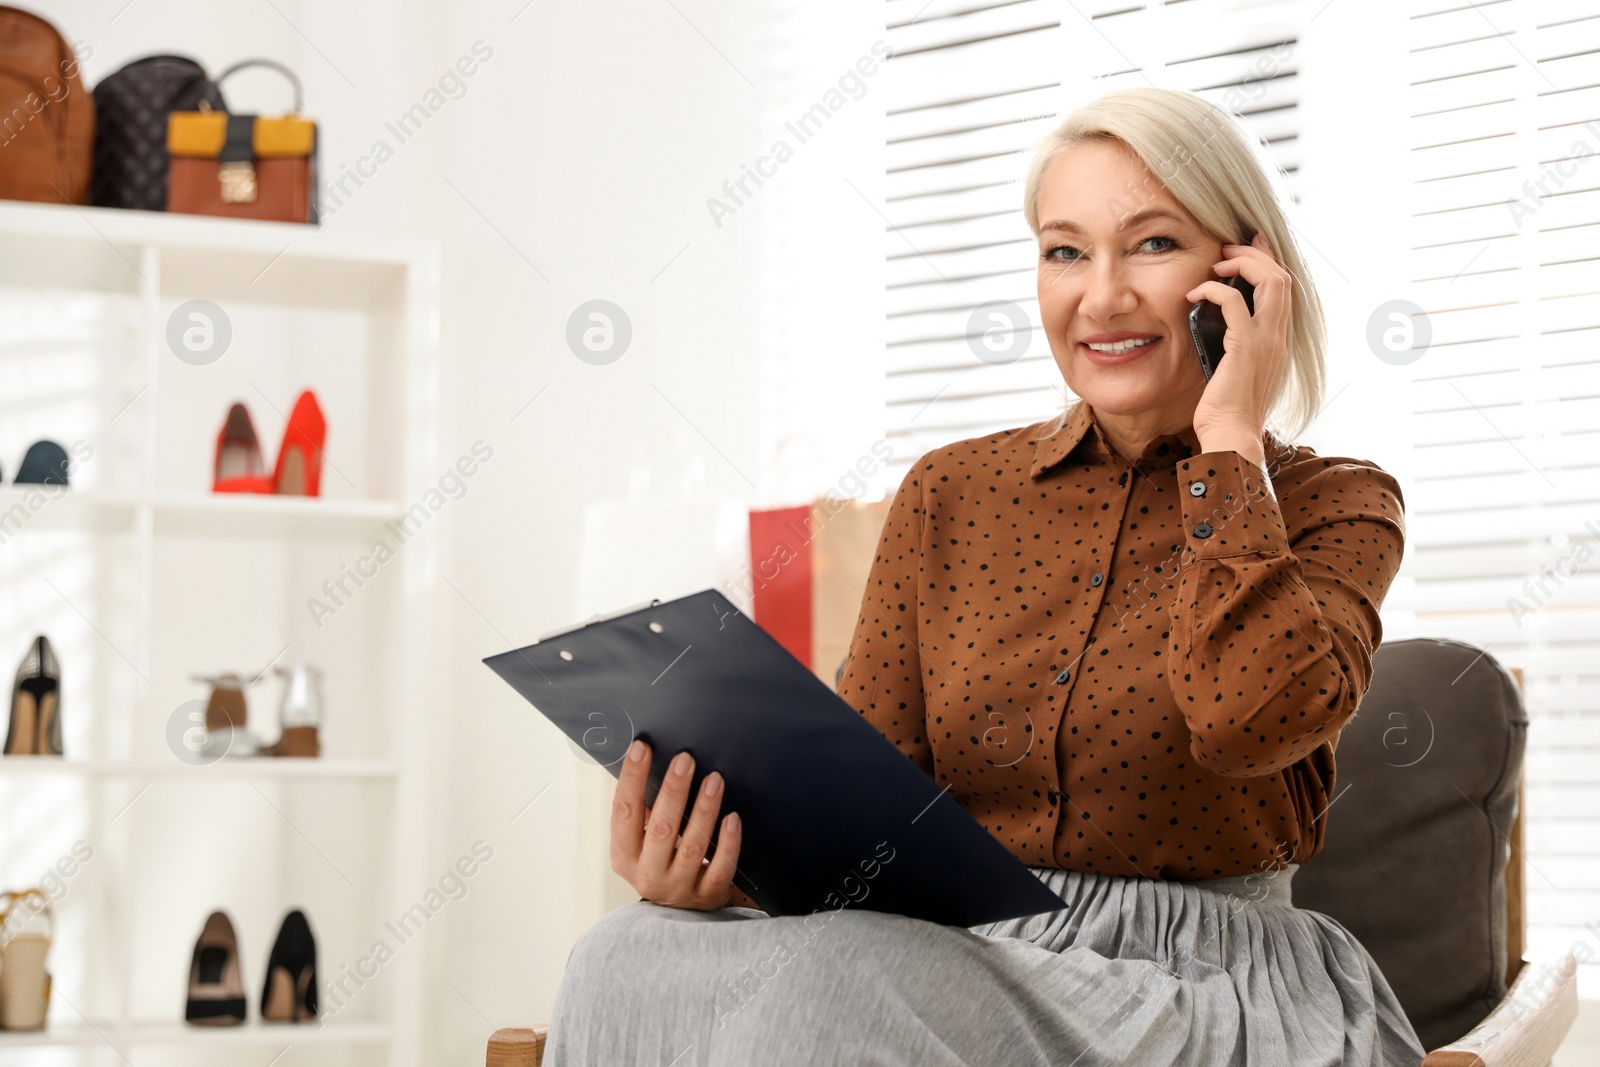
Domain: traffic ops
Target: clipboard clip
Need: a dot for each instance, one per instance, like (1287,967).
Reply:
(597,618)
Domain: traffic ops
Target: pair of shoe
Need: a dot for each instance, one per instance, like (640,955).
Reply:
(299,715)
(298,472)
(45,463)
(24,982)
(216,982)
(35,728)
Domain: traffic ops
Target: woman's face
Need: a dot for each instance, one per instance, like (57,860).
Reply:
(1098,278)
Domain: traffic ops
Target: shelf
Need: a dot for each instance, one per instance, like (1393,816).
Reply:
(55,221)
(249,515)
(224,770)
(49,507)
(246,767)
(333,1032)
(356,316)
(62,246)
(59,1036)
(259,515)
(87,1035)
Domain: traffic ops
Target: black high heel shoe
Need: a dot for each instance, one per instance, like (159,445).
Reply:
(289,994)
(35,728)
(216,991)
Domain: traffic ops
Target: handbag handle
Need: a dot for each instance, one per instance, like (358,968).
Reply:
(166,57)
(270,63)
(14,899)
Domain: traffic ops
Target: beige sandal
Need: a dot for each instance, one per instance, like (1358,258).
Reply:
(24,982)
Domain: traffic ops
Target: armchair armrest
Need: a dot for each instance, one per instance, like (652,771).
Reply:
(521,1046)
(1525,1029)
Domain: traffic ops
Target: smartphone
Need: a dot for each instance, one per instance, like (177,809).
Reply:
(1207,325)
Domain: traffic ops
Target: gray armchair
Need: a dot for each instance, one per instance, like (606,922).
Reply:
(1422,861)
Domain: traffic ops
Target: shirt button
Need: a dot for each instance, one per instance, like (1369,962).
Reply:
(1097,579)
(1122,479)
(1056,795)
(1061,679)
(1197,488)
(1202,530)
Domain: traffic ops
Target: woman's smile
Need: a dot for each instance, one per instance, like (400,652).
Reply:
(1113,353)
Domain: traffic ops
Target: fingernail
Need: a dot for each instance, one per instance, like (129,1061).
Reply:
(636,752)
(680,763)
(713,784)
(731,823)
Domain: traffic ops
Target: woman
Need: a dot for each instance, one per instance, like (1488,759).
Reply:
(1125,638)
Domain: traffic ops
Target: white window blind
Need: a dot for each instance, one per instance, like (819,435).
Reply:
(1504,511)
(972,85)
(1502,131)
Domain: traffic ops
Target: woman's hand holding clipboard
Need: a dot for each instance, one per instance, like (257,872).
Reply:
(663,866)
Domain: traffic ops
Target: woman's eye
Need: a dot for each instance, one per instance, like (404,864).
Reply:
(1050,254)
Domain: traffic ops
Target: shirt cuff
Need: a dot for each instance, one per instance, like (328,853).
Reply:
(1229,507)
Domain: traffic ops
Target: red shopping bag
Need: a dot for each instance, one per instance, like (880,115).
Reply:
(808,573)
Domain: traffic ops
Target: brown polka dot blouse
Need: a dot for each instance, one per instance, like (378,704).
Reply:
(1130,667)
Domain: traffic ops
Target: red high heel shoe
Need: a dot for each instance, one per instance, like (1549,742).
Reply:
(238,467)
(299,468)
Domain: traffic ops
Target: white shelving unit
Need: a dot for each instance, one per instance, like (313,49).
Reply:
(142,577)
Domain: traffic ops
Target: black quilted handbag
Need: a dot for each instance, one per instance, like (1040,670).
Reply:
(130,144)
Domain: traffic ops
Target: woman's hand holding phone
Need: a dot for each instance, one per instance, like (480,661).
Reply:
(1208,329)
(1233,407)
(647,850)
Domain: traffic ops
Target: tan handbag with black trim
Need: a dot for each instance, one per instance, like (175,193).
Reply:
(244,166)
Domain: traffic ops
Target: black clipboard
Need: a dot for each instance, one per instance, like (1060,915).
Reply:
(834,814)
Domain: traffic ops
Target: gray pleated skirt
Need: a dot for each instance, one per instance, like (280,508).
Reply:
(1132,971)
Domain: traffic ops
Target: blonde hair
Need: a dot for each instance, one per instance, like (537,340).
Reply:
(1210,165)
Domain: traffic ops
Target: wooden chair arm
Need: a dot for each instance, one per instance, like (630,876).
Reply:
(521,1046)
(1526,1028)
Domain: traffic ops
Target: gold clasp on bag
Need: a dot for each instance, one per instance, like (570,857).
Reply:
(238,178)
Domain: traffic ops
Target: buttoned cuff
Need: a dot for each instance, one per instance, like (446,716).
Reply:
(1229,507)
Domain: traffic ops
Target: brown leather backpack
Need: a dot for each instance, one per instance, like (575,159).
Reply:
(46,115)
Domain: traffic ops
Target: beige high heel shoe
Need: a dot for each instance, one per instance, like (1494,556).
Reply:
(216,988)
(24,983)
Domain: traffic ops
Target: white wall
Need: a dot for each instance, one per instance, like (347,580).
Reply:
(602,137)
(575,163)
